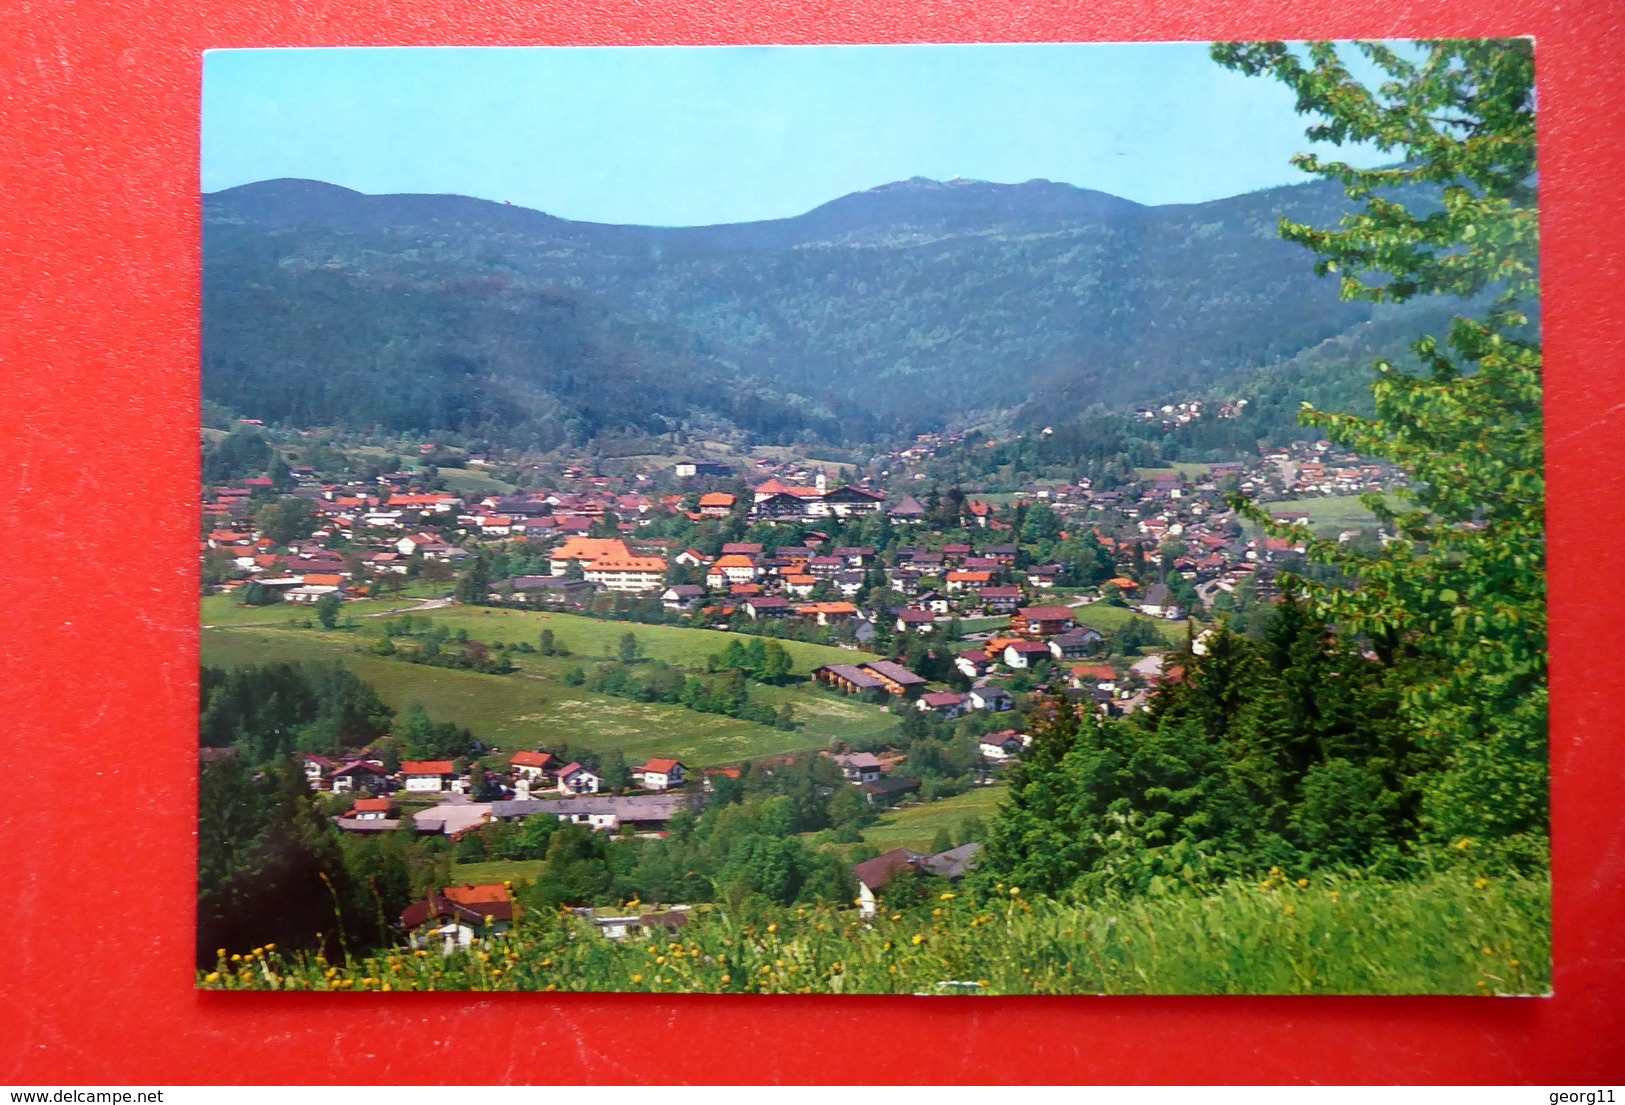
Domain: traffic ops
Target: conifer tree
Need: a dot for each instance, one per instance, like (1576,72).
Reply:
(1460,597)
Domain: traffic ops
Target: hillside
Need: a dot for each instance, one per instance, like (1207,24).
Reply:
(903,308)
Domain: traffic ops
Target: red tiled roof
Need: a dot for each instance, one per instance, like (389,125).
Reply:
(876,873)
(426,767)
(1046,613)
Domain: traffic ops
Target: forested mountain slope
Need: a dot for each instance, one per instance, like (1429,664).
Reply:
(911,306)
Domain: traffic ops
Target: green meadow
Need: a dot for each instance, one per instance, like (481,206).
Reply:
(915,827)
(533,707)
(590,638)
(1332,934)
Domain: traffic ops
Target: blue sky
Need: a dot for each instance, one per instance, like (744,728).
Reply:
(687,136)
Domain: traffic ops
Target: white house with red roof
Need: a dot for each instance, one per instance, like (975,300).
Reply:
(427,776)
(659,774)
(575,779)
(358,775)
(532,765)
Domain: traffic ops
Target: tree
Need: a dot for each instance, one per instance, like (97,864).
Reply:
(285,521)
(613,770)
(1462,595)
(327,610)
(474,585)
(629,648)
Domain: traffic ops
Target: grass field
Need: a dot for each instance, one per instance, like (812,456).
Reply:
(1327,513)
(983,625)
(917,826)
(497,870)
(1447,934)
(226,610)
(530,708)
(534,707)
(829,714)
(1109,619)
(1189,471)
(590,638)
(467,481)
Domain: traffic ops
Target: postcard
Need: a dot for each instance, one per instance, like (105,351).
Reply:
(975,520)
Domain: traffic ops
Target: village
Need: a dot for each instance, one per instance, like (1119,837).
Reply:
(955,609)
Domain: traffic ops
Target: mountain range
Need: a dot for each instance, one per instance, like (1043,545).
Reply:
(914,306)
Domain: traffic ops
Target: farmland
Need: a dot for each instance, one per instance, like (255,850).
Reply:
(916,826)
(1109,619)
(1326,513)
(535,707)
(590,638)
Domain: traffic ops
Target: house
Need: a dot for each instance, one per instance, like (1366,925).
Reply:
(1024,654)
(684,596)
(732,568)
(642,812)
(895,678)
(800,585)
(717,504)
(1159,602)
(1041,621)
(963,580)
(767,606)
(883,792)
(1044,575)
(659,774)
(942,703)
(874,874)
(973,663)
(1074,644)
(688,469)
(955,863)
(992,699)
(315,769)
(459,916)
(608,561)
(372,809)
(1003,746)
(859,767)
(427,776)
(550,589)
(848,678)
(532,766)
(907,511)
(575,779)
(1000,600)
(1094,675)
(920,621)
(712,773)
(828,613)
(358,775)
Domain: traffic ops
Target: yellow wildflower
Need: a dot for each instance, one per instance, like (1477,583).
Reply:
(212,977)
(1303,884)
(773,927)
(918,939)
(1463,844)
(1015,890)
(1480,883)
(637,978)
(948,897)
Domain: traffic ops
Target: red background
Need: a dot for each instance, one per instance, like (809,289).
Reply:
(99,342)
